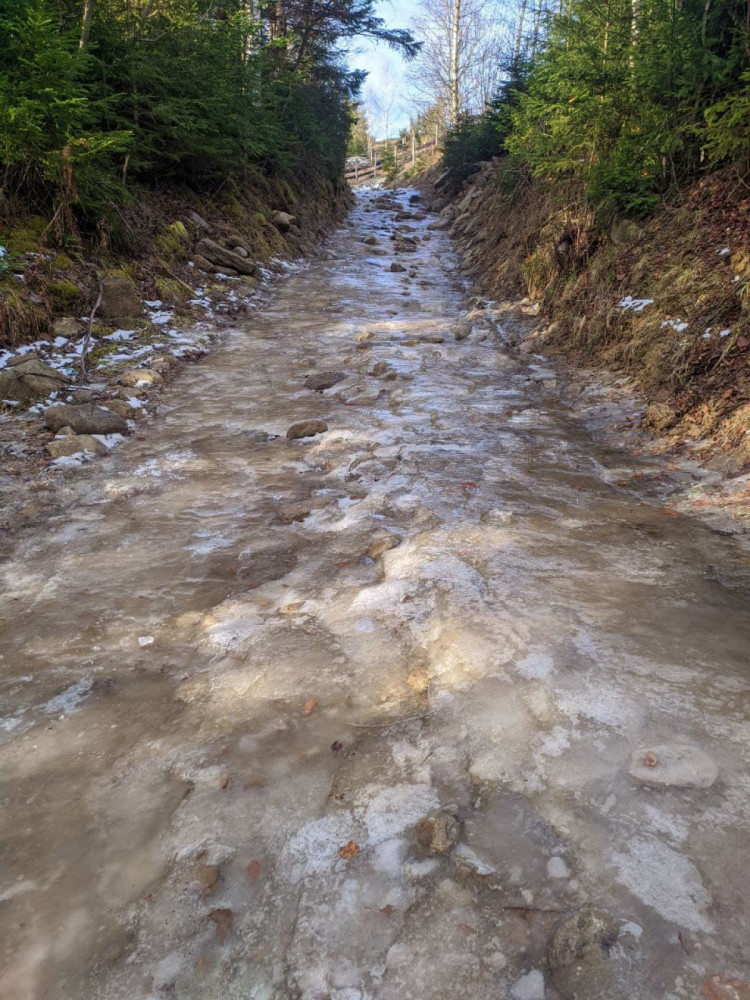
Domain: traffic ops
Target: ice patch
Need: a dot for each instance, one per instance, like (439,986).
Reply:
(70,698)
(391,811)
(536,666)
(666,881)
(529,987)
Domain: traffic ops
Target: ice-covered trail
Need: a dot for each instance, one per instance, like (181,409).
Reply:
(239,672)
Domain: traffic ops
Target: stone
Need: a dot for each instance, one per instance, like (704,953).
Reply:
(164,363)
(397,268)
(461,331)
(68,326)
(123,409)
(724,988)
(418,682)
(371,241)
(74,444)
(623,231)
(362,336)
(206,877)
(439,224)
(27,379)
(220,256)
(306,428)
(324,380)
(438,834)
(659,416)
(83,395)
(283,221)
(579,956)
(380,368)
(199,221)
(120,299)
(234,242)
(295,231)
(381,545)
(432,338)
(300,509)
(84,418)
(676,765)
(140,376)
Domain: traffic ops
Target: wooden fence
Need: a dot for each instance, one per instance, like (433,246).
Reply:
(360,174)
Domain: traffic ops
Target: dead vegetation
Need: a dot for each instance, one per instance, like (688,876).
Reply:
(665,300)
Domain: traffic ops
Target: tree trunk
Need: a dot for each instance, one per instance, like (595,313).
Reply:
(88,11)
(519,32)
(454,96)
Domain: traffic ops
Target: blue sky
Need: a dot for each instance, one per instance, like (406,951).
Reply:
(378,59)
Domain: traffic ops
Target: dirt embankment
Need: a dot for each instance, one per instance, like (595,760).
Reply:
(145,296)
(664,302)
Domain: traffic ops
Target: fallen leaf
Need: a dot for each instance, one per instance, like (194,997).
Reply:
(387,909)
(253,871)
(349,851)
(223,780)
(336,746)
(650,759)
(309,707)
(724,988)
(222,918)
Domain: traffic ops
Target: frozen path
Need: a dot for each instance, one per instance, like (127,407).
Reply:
(238,673)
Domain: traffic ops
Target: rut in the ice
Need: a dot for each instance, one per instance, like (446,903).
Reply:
(376,714)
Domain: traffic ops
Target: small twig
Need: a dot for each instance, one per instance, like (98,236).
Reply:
(387,725)
(87,337)
(533,909)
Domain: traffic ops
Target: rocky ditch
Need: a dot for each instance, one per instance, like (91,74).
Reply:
(77,391)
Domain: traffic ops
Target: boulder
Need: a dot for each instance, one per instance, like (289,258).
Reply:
(579,956)
(68,326)
(84,418)
(27,379)
(295,231)
(324,380)
(140,376)
(371,241)
(397,268)
(306,428)
(283,221)
(74,444)
(120,299)
(216,254)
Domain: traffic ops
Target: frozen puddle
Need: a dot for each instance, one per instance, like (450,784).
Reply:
(417,708)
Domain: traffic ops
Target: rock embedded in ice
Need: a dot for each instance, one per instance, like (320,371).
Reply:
(678,765)
(579,956)
(324,380)
(306,428)
(438,834)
